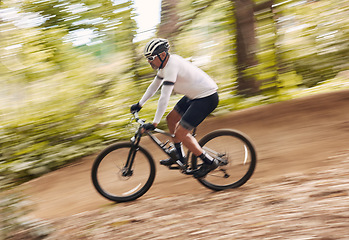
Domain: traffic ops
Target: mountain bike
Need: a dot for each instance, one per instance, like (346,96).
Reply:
(125,171)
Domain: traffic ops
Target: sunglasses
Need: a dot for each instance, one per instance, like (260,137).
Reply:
(151,58)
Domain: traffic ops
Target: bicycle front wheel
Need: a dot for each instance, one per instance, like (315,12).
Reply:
(114,181)
(236,155)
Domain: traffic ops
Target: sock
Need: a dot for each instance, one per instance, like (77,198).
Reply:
(179,148)
(206,158)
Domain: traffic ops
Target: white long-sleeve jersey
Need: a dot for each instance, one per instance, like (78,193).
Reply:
(184,78)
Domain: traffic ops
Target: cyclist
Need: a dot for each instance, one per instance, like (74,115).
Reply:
(199,100)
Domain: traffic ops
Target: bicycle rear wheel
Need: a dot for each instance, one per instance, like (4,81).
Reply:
(110,180)
(237,158)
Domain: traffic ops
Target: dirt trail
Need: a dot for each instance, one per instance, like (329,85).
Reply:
(296,136)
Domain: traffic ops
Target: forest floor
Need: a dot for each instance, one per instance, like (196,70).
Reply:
(300,188)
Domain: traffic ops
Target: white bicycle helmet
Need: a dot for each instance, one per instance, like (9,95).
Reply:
(156,46)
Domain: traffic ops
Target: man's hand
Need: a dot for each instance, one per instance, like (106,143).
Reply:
(149,126)
(135,108)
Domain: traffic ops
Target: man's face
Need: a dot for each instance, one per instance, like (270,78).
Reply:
(156,62)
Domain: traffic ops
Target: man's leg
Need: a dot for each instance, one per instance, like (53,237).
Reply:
(191,143)
(183,135)
(195,113)
(173,119)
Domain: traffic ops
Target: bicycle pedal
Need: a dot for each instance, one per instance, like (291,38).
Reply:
(174,167)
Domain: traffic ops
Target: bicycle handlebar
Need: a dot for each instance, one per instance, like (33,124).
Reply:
(140,121)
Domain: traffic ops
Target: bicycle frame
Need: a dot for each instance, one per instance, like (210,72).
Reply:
(165,147)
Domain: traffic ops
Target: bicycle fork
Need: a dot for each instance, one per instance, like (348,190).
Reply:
(127,169)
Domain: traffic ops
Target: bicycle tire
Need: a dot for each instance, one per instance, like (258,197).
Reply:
(107,175)
(233,173)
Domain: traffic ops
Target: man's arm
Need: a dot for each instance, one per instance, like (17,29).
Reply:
(151,90)
(166,91)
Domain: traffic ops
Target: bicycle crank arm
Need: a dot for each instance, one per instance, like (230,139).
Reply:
(184,169)
(177,168)
(189,171)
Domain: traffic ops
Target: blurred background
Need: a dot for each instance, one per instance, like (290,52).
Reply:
(71,69)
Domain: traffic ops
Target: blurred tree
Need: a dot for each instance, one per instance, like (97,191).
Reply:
(246,47)
(51,36)
(246,44)
(169,19)
(106,21)
(124,36)
(316,39)
(293,36)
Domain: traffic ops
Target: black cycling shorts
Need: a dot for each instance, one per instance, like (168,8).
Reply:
(194,111)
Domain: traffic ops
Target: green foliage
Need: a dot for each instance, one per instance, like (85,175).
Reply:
(313,39)
(306,38)
(78,117)
(60,102)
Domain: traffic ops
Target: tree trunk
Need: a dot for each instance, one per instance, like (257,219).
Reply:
(246,45)
(169,19)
